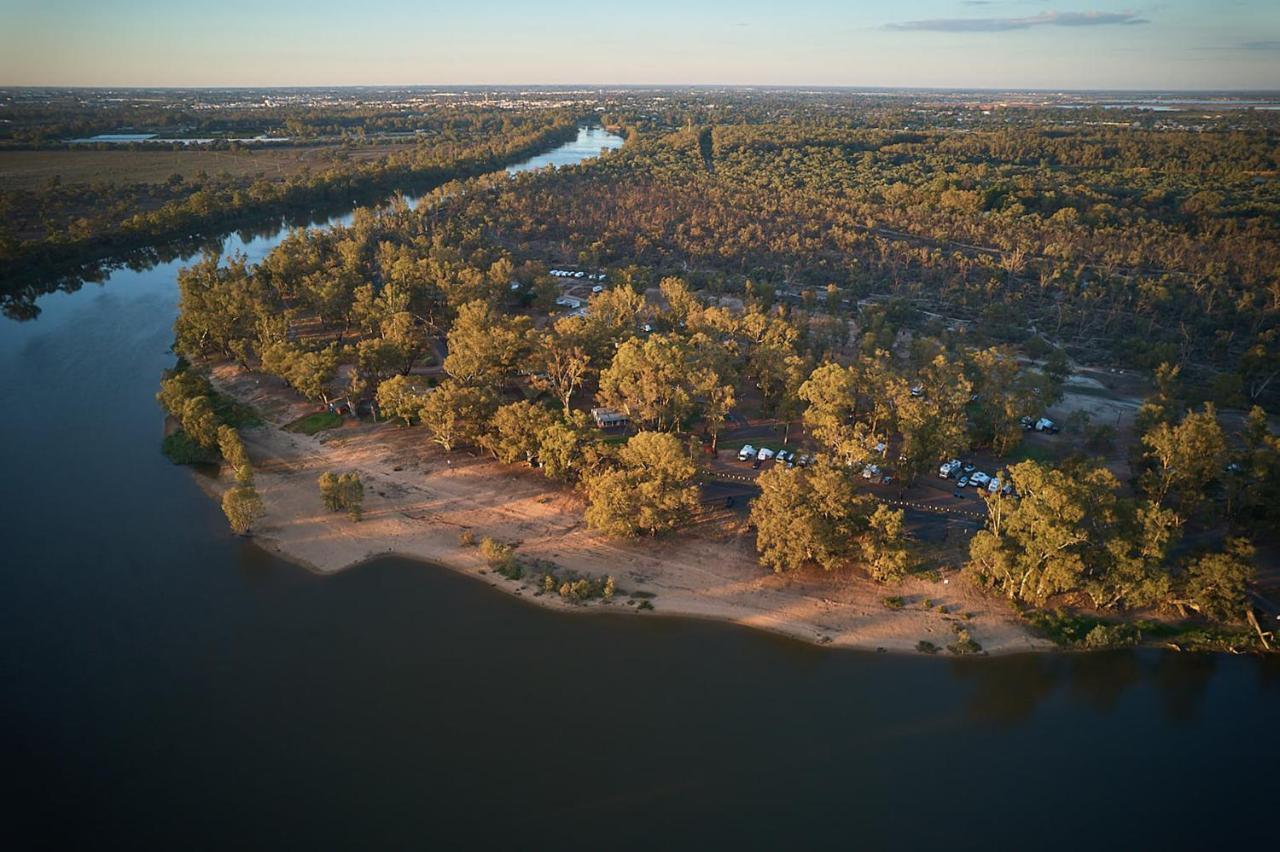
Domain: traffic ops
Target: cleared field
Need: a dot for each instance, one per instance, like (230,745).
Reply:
(33,169)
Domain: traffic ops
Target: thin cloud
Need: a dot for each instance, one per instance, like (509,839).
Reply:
(997,25)
(1261,45)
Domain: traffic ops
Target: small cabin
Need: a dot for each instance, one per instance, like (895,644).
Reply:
(609,418)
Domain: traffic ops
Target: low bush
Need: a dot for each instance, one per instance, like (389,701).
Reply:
(180,449)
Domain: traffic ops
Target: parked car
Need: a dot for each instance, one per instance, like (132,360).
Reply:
(1044,424)
(994,485)
(597,289)
(969,467)
(803,461)
(764,454)
(979,479)
(964,480)
(746,452)
(870,471)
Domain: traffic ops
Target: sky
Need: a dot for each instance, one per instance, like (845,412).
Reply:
(1036,44)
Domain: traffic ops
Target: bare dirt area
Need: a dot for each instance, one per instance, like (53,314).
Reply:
(419,501)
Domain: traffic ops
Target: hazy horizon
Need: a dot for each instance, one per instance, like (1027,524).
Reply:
(1180,45)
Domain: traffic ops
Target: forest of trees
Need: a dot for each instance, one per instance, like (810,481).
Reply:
(920,290)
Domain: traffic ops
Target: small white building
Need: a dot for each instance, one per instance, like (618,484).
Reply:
(609,418)
(571,302)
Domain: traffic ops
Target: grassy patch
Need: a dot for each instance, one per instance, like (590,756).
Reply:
(924,646)
(313,423)
(894,602)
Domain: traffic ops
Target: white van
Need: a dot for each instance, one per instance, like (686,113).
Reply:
(746,452)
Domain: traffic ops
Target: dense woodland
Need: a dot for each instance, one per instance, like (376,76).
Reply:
(890,282)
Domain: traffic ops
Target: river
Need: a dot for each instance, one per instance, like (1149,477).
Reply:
(169,686)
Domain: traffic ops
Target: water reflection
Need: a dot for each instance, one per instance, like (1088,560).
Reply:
(1009,692)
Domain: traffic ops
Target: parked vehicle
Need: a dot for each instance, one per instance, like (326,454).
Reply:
(597,289)
(1044,424)
(949,469)
(979,479)
(870,471)
(746,452)
(764,454)
(969,467)
(964,480)
(994,485)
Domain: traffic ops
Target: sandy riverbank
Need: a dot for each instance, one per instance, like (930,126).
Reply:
(418,501)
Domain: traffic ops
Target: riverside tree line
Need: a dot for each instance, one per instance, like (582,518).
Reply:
(446,317)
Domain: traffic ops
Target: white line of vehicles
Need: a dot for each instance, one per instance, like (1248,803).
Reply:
(967,474)
(763,454)
(569,273)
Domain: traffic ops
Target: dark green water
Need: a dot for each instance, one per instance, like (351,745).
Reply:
(167,686)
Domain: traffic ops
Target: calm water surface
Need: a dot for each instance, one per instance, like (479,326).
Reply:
(167,686)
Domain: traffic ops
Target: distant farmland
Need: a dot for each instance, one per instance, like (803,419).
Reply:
(32,170)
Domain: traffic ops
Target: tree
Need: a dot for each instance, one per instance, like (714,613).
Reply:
(562,369)
(569,449)
(342,493)
(884,546)
(485,346)
(401,396)
(808,515)
(310,373)
(1005,394)
(455,413)
(233,452)
(651,380)
(351,490)
(1052,537)
(651,491)
(1215,584)
(200,422)
(217,307)
(516,431)
(932,423)
(179,386)
(1185,458)
(243,507)
(330,492)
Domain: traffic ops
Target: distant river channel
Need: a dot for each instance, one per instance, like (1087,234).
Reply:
(166,685)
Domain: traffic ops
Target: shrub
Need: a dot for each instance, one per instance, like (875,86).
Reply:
(924,646)
(501,558)
(964,643)
(467,538)
(894,602)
